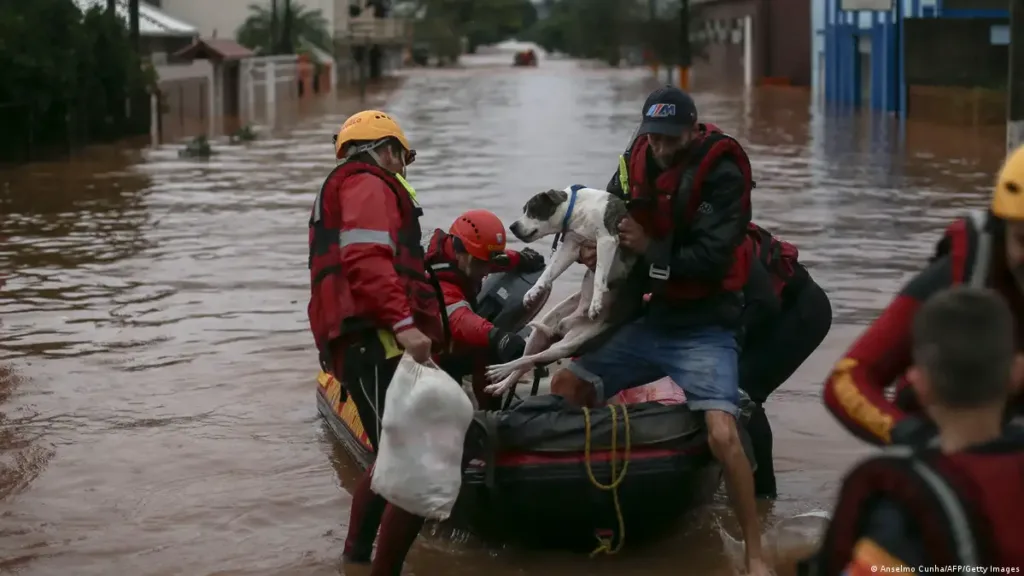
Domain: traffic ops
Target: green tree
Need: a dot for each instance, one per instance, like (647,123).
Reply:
(304,24)
(66,78)
(440,34)
(491,21)
(589,28)
(445,22)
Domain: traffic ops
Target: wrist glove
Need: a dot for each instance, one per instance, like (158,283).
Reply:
(530,261)
(505,346)
(913,431)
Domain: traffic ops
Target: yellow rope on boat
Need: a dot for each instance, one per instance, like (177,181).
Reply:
(605,544)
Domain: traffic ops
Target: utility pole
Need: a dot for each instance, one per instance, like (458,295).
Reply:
(133,25)
(286,29)
(685,54)
(652,47)
(110,6)
(273,27)
(1015,83)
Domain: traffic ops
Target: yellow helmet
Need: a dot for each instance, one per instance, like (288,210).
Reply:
(369,126)
(1008,198)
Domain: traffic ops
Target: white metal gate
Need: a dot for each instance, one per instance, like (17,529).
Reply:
(269,91)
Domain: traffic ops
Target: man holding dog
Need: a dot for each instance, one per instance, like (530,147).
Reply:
(370,299)
(688,186)
(786,317)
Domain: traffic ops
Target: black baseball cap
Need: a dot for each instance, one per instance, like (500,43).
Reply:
(668,111)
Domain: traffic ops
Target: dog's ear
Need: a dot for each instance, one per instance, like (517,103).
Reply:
(556,196)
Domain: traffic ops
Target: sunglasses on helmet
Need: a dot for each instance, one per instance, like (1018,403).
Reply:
(410,155)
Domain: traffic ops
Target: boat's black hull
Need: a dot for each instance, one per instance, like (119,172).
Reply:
(548,499)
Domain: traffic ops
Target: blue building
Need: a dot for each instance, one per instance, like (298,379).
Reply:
(858,58)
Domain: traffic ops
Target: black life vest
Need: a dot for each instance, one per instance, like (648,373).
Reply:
(966,505)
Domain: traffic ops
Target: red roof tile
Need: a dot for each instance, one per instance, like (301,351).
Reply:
(218,49)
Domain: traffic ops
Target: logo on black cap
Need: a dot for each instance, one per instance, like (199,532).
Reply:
(661,111)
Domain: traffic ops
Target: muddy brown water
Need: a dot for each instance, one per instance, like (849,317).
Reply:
(157,377)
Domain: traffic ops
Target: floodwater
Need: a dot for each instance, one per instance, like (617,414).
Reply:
(157,410)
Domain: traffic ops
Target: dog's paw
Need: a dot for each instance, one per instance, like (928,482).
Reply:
(500,388)
(498,372)
(533,295)
(596,307)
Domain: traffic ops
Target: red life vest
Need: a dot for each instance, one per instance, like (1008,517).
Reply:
(333,310)
(674,198)
(444,268)
(970,243)
(779,257)
(966,505)
(441,268)
(969,248)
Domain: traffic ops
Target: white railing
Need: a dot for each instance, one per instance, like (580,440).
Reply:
(269,89)
(367,29)
(168,76)
(268,93)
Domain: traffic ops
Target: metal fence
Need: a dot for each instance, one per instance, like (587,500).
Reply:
(183,109)
(269,90)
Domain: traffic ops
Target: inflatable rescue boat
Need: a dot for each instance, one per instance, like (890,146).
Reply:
(542,473)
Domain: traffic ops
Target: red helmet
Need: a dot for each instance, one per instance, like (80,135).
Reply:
(480,234)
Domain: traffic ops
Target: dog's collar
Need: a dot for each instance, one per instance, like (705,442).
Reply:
(568,214)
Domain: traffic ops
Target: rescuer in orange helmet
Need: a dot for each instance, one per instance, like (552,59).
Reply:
(458,260)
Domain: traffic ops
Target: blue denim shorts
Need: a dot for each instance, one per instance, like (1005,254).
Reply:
(702,361)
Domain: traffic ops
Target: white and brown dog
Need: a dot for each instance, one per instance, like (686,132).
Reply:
(579,216)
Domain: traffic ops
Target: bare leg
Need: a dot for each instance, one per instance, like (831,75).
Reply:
(575,390)
(703,363)
(724,440)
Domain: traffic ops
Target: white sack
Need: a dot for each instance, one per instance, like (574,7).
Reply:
(426,417)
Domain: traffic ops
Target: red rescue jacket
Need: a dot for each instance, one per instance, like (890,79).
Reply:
(464,329)
(855,392)
(365,259)
(966,505)
(673,199)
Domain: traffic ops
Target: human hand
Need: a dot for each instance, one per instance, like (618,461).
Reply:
(632,235)
(415,343)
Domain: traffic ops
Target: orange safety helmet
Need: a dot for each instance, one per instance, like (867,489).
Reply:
(479,233)
(371,126)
